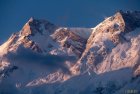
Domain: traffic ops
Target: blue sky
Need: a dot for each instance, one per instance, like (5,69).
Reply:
(72,13)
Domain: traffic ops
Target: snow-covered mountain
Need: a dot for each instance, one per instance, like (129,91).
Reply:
(43,58)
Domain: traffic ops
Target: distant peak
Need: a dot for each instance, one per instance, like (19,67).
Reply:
(129,12)
(131,19)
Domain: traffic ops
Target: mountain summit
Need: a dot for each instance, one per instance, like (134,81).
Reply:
(34,25)
(45,58)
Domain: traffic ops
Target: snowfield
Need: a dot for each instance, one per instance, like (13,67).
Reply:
(46,59)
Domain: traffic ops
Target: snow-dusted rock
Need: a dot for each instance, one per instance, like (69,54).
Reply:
(45,58)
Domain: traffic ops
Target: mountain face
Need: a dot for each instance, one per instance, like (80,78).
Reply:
(43,58)
(109,47)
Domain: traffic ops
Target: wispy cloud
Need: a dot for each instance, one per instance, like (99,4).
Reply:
(51,61)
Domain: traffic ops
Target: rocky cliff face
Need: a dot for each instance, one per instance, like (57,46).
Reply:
(50,59)
(43,37)
(100,54)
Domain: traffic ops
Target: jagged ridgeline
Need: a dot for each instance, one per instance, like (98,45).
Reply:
(43,58)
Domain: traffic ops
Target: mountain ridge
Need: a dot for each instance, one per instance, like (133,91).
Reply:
(40,57)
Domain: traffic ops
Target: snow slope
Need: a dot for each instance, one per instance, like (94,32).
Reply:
(47,59)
